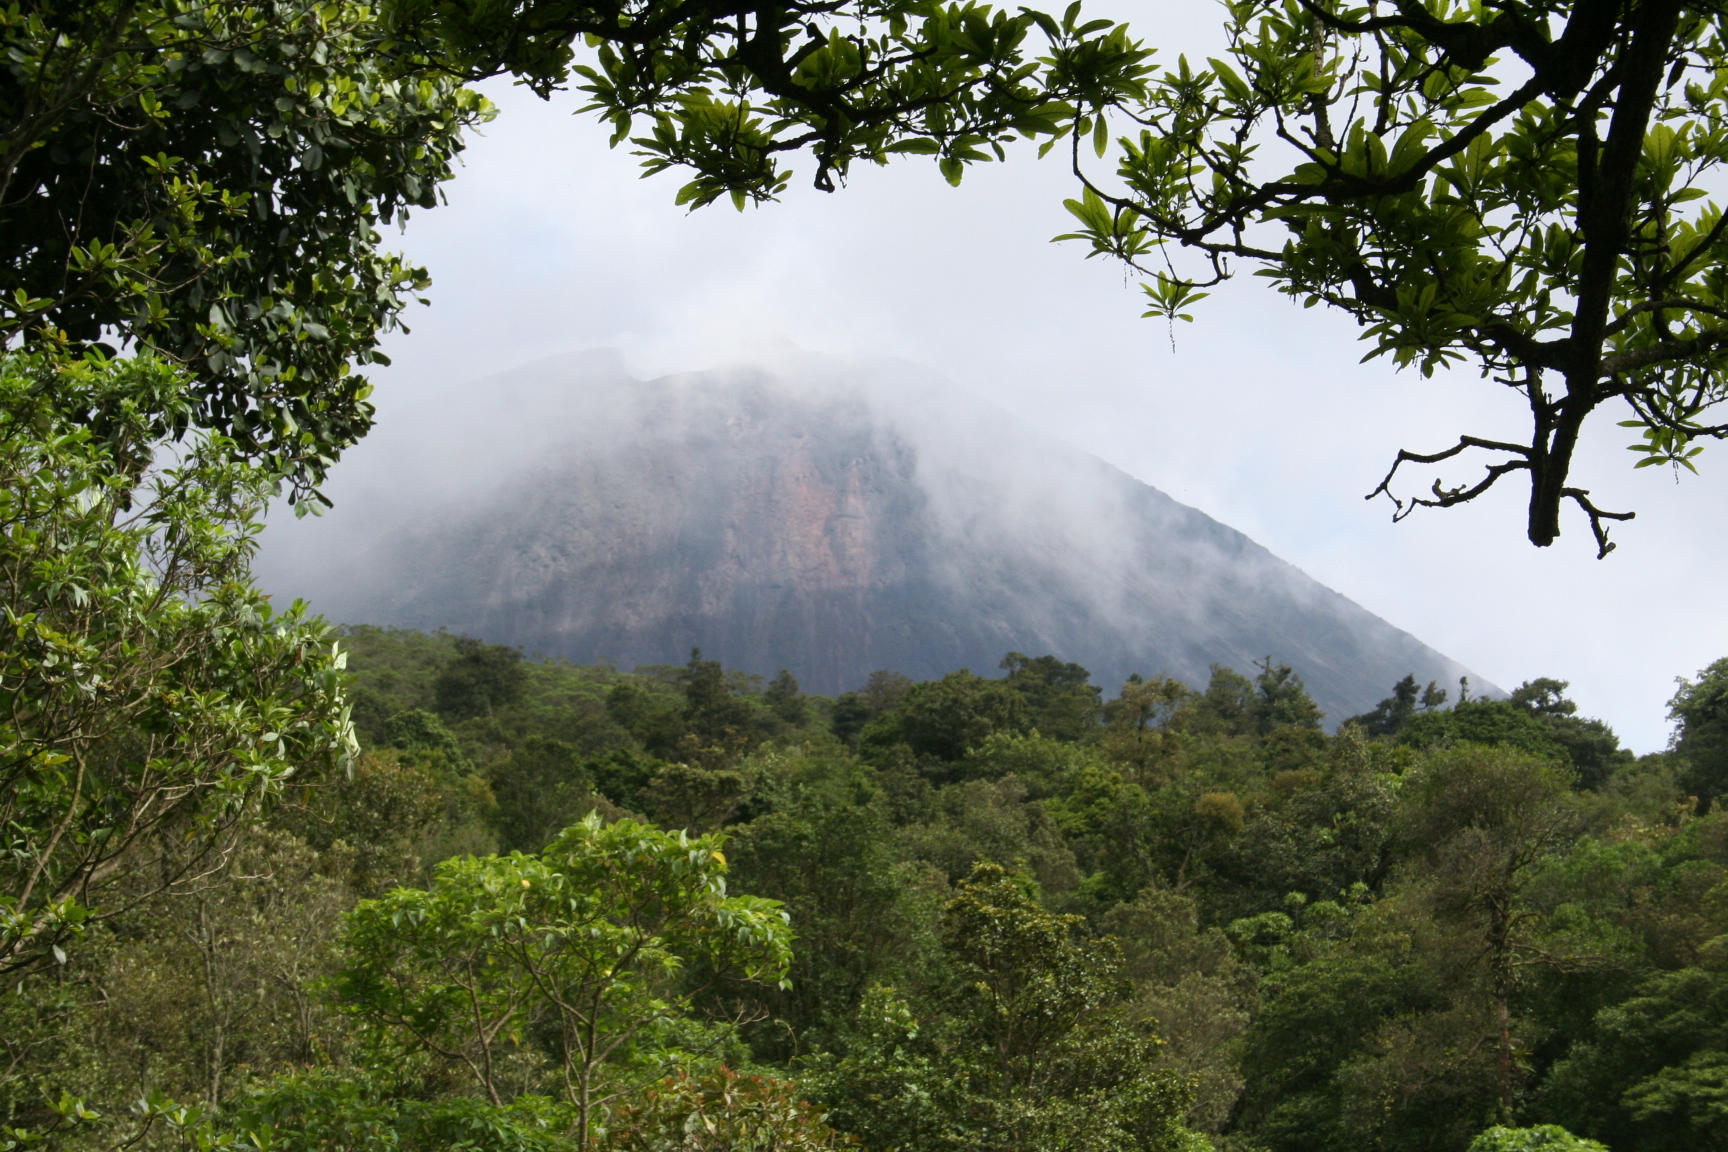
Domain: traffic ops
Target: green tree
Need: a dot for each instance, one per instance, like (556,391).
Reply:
(1136,723)
(1199,995)
(1483,721)
(717,716)
(1389,717)
(651,713)
(541,789)
(694,797)
(826,851)
(208,181)
(722,1112)
(1281,700)
(1320,832)
(1643,1068)
(881,694)
(1521,189)
(1225,708)
(323,1110)
(392,671)
(1029,1048)
(1700,710)
(149,692)
(1589,744)
(417,730)
(581,948)
(1653,1073)
(196,992)
(481,679)
(947,717)
(1544,1138)
(1369,1034)
(384,819)
(703,737)
(786,700)
(1486,821)
(718,1112)
(1061,697)
(729,92)
(622,775)
(974,821)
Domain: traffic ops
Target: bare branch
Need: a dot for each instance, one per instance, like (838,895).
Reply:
(1582,497)
(1447,497)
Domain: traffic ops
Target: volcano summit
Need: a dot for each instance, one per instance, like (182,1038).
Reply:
(824,515)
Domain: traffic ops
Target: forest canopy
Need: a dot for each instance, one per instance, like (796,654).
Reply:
(1173,917)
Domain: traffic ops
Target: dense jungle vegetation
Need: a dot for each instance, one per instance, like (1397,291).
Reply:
(1020,915)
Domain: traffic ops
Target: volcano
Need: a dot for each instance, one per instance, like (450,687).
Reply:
(829,516)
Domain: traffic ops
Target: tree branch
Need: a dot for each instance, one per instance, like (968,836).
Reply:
(1447,497)
(1661,353)
(1582,498)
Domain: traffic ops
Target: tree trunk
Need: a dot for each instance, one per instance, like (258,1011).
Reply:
(1549,468)
(1607,187)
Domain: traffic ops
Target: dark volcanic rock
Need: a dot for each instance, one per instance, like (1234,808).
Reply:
(831,517)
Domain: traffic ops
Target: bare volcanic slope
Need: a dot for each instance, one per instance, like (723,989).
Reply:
(828,516)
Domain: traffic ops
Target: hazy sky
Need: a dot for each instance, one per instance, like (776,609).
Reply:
(1259,414)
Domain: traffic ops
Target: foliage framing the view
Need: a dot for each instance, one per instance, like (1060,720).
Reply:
(1514,187)
(729,90)
(150,698)
(208,180)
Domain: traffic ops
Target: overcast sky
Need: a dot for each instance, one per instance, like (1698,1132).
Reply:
(1259,415)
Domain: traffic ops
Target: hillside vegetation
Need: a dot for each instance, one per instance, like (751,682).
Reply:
(966,913)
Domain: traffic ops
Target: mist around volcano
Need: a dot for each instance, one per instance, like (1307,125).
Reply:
(829,515)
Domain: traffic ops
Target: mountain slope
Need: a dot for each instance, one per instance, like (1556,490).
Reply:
(828,516)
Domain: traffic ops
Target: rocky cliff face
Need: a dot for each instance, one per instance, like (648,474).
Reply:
(824,516)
